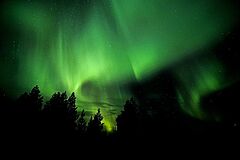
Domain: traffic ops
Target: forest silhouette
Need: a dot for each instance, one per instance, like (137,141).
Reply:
(140,121)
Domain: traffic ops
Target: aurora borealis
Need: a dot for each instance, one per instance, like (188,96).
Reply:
(96,48)
(210,76)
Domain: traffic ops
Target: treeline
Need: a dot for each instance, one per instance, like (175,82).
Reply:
(59,115)
(58,119)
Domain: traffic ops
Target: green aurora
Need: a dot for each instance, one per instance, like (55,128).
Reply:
(205,75)
(95,48)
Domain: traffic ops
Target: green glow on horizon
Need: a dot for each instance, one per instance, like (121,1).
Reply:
(93,51)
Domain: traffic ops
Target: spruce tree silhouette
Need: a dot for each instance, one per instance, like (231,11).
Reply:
(95,125)
(31,102)
(55,112)
(127,121)
(36,99)
(72,112)
(26,114)
(81,124)
(60,112)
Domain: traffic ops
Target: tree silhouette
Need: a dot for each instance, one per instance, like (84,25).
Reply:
(57,104)
(26,113)
(95,125)
(35,98)
(72,111)
(127,121)
(60,111)
(81,123)
(31,102)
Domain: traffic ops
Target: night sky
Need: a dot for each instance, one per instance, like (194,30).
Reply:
(98,48)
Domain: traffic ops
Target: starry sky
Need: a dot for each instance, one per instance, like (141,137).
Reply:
(97,48)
